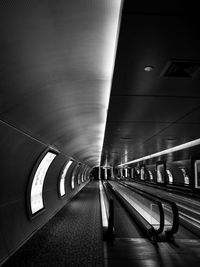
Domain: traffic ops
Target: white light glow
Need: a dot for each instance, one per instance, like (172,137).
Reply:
(82,176)
(73,177)
(197,173)
(160,178)
(166,151)
(189,219)
(142,173)
(186,177)
(148,68)
(108,60)
(79,177)
(103,207)
(106,174)
(150,175)
(62,179)
(38,182)
(170,176)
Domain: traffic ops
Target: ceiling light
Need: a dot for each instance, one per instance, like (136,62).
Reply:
(109,51)
(148,68)
(166,151)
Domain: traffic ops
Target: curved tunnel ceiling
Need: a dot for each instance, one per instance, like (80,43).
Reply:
(56,69)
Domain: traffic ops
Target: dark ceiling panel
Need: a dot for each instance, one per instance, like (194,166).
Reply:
(193,117)
(149,108)
(152,110)
(182,133)
(155,40)
(135,148)
(172,7)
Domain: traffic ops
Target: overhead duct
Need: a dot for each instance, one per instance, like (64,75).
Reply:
(181,68)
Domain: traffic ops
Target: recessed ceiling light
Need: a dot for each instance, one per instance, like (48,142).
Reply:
(148,68)
(171,139)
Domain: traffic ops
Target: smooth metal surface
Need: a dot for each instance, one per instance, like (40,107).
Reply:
(56,68)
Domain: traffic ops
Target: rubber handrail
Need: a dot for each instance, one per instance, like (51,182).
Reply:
(175,224)
(110,230)
(147,229)
(160,208)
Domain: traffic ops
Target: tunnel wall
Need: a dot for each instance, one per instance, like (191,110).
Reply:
(19,153)
(174,167)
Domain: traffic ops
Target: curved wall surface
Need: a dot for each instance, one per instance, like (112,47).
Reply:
(19,154)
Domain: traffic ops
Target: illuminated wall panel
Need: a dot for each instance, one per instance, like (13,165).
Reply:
(83,174)
(142,173)
(73,177)
(185,175)
(150,175)
(62,179)
(160,173)
(38,182)
(170,176)
(197,173)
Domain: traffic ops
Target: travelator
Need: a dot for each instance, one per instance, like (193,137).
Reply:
(107,212)
(157,217)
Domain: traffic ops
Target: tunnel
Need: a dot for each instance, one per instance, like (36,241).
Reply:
(99,133)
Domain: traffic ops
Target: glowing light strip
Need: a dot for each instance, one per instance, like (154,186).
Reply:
(103,207)
(62,180)
(109,63)
(190,209)
(189,219)
(137,205)
(166,151)
(38,182)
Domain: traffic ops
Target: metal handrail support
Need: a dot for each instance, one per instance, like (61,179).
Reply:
(175,224)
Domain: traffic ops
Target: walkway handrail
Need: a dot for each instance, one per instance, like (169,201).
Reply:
(110,232)
(160,207)
(109,206)
(145,226)
(175,224)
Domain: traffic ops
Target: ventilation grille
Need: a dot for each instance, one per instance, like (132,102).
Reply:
(181,68)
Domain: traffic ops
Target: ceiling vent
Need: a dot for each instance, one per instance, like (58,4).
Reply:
(181,68)
(126,139)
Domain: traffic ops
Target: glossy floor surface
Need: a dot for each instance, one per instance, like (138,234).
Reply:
(141,253)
